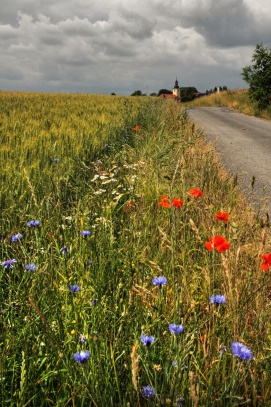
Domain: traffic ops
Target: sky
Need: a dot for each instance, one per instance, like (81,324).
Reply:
(105,46)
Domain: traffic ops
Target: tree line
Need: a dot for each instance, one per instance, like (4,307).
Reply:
(257,75)
(188,93)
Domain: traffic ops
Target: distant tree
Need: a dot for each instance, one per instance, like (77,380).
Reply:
(153,94)
(113,94)
(137,93)
(188,93)
(164,92)
(258,76)
(224,88)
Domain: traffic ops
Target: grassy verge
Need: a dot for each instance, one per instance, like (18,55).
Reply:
(235,99)
(115,213)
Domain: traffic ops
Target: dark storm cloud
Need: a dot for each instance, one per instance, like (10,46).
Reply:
(75,45)
(229,23)
(131,23)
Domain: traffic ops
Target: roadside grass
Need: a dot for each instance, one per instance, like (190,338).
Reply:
(74,163)
(234,99)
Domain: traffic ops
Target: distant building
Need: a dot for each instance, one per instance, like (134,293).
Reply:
(175,95)
(176,90)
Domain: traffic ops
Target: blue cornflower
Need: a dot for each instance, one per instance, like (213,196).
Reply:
(159,281)
(217,299)
(8,264)
(30,267)
(82,339)
(147,340)
(91,263)
(148,391)
(175,329)
(81,356)
(85,233)
(56,160)
(64,250)
(33,223)
(74,288)
(241,351)
(16,238)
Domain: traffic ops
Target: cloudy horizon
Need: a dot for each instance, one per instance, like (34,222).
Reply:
(111,46)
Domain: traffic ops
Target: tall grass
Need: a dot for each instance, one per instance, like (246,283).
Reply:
(108,180)
(235,99)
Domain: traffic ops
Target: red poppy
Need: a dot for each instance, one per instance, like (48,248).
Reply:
(195,192)
(129,206)
(164,202)
(266,261)
(219,243)
(222,216)
(136,128)
(178,203)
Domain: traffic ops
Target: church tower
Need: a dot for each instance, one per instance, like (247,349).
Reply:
(176,90)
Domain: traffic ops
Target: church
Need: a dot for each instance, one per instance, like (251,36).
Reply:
(175,95)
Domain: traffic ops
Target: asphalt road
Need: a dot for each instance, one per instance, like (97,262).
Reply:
(244,146)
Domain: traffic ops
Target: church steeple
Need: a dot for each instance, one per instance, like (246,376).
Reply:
(176,90)
(176,84)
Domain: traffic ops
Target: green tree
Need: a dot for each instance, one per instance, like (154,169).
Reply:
(258,76)
(188,93)
(137,93)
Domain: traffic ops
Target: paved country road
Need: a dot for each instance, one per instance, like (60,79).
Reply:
(244,146)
